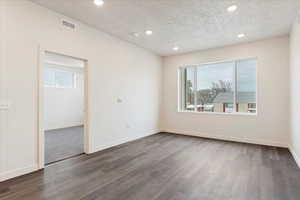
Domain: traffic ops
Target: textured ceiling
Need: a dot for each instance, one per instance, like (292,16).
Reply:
(189,24)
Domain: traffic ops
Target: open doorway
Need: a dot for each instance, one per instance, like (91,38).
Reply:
(63,102)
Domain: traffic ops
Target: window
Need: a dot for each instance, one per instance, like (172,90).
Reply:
(252,107)
(227,87)
(228,107)
(246,86)
(189,89)
(214,87)
(59,78)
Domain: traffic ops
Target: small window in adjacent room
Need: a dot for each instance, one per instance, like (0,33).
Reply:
(226,87)
(58,78)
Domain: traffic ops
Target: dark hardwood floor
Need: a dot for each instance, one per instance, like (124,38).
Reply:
(165,167)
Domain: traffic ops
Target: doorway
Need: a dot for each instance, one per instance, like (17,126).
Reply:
(62,106)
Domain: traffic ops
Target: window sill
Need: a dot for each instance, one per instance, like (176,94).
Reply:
(55,87)
(219,113)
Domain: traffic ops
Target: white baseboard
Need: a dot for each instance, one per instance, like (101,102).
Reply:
(227,138)
(17,172)
(26,170)
(295,155)
(148,133)
(63,127)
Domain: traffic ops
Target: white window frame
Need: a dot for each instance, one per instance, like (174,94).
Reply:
(181,91)
(74,77)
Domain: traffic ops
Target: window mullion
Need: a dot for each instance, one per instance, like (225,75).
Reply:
(183,88)
(55,80)
(195,89)
(74,84)
(235,87)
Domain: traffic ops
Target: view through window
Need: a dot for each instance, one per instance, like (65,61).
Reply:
(59,78)
(226,87)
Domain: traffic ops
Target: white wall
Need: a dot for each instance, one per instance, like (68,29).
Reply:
(270,126)
(64,107)
(117,69)
(295,90)
(2,87)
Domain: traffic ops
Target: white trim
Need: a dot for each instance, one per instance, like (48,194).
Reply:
(218,62)
(40,113)
(146,134)
(180,98)
(180,91)
(63,65)
(295,155)
(67,126)
(219,113)
(40,130)
(226,138)
(234,88)
(87,113)
(17,172)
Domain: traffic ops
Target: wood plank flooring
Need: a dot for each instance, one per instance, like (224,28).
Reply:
(166,167)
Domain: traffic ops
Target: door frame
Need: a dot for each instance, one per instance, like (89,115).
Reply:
(40,105)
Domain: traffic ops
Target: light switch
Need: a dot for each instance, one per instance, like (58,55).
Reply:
(4,105)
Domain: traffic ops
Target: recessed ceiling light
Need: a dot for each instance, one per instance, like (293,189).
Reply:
(148,32)
(241,35)
(232,8)
(98,2)
(176,48)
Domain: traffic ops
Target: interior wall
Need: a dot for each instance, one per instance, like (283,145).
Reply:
(64,107)
(270,126)
(2,87)
(295,90)
(124,83)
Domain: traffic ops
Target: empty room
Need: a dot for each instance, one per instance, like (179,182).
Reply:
(63,106)
(149,100)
